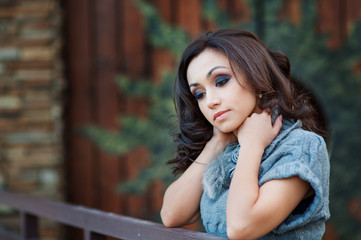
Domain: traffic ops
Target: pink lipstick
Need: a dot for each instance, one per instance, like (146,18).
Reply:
(219,115)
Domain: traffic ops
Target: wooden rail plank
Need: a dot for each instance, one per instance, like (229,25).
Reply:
(99,222)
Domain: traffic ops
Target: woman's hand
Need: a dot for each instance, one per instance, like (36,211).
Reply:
(258,131)
(220,139)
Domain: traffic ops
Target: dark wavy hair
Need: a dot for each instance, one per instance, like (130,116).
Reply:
(267,73)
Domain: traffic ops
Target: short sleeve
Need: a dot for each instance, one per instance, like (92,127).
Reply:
(308,159)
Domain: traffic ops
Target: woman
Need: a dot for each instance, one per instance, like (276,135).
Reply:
(250,148)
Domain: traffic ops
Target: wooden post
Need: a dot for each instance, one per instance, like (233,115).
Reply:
(29,227)
(88,235)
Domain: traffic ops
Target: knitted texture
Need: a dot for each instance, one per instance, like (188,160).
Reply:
(294,152)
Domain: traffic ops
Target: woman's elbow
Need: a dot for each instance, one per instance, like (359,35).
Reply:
(241,231)
(168,218)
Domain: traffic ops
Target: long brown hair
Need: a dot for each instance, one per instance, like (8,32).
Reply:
(267,72)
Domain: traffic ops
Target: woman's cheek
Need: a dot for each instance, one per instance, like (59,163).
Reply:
(206,113)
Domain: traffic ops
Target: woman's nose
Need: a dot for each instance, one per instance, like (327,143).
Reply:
(213,100)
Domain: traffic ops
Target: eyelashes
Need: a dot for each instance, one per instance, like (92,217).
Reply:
(219,81)
(198,95)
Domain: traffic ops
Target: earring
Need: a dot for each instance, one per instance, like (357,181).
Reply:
(260,96)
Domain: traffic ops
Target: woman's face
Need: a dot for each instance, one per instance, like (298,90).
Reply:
(223,98)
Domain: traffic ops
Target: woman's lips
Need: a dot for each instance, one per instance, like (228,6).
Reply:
(220,115)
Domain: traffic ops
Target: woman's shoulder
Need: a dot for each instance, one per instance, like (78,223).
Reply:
(304,154)
(296,144)
(294,134)
(302,137)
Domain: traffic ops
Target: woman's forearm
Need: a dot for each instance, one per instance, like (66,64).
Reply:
(182,198)
(249,211)
(244,191)
(254,211)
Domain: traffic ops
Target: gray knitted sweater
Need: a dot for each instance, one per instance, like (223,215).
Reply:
(294,152)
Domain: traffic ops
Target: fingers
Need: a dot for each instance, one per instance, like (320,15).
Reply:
(277,124)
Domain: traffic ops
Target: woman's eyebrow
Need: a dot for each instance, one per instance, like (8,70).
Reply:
(208,75)
(193,85)
(211,71)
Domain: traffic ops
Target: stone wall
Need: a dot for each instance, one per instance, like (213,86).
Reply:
(31,104)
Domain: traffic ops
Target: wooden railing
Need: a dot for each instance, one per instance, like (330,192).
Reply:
(95,224)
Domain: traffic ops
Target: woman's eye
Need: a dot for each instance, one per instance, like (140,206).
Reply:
(198,95)
(221,80)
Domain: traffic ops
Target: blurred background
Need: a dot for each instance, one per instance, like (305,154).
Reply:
(86,111)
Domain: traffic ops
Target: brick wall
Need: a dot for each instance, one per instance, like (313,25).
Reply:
(31,84)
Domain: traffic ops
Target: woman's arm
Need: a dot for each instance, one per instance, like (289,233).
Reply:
(181,199)
(254,211)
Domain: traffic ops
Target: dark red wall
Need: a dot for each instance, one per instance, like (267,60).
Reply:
(105,38)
